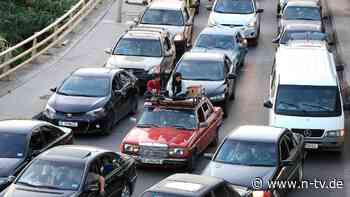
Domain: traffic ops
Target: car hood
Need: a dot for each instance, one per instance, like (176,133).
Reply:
(211,88)
(76,104)
(135,62)
(240,175)
(23,191)
(327,123)
(232,19)
(230,53)
(7,165)
(302,22)
(169,136)
(173,30)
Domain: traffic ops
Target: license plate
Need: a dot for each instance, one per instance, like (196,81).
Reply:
(311,146)
(152,161)
(68,124)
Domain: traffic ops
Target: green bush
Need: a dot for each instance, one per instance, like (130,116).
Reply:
(22,18)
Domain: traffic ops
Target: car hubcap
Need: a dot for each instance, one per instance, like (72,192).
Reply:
(125,192)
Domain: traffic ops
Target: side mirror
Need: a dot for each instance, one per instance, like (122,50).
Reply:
(346,106)
(108,51)
(203,125)
(208,156)
(340,68)
(259,10)
(136,20)
(209,7)
(53,89)
(231,76)
(287,163)
(276,40)
(11,178)
(268,104)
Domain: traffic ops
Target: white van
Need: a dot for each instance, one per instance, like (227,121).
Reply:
(305,96)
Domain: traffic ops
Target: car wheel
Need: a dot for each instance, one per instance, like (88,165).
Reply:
(192,162)
(126,192)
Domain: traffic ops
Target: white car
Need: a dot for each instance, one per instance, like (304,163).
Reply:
(242,14)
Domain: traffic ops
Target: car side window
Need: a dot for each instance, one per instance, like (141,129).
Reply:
(290,145)
(116,84)
(50,133)
(227,65)
(37,142)
(207,109)
(167,44)
(201,117)
(284,152)
(124,79)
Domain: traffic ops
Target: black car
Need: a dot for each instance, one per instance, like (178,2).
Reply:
(258,154)
(22,140)
(214,72)
(190,185)
(93,100)
(67,171)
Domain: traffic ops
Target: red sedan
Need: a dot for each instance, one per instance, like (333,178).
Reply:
(173,133)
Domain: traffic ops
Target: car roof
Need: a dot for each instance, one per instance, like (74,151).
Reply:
(96,72)
(303,26)
(19,126)
(167,4)
(192,55)
(308,3)
(317,69)
(257,133)
(145,33)
(186,184)
(221,30)
(72,153)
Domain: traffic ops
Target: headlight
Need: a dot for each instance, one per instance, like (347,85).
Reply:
(252,23)
(49,111)
(179,37)
(176,151)
(218,97)
(131,148)
(335,133)
(212,22)
(99,112)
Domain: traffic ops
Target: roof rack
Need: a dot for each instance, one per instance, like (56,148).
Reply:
(191,98)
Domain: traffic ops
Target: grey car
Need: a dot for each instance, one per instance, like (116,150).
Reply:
(255,155)
(174,17)
(224,40)
(282,3)
(305,12)
(214,72)
(143,52)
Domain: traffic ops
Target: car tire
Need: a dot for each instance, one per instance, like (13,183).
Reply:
(126,191)
(192,162)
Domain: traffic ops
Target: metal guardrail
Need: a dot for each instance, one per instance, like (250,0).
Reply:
(43,40)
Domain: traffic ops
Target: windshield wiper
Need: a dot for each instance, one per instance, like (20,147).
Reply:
(289,104)
(181,127)
(26,184)
(48,187)
(316,106)
(62,93)
(147,125)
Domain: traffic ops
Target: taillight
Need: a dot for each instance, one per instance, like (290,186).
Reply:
(262,194)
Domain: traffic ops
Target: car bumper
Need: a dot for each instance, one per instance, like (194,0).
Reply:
(325,143)
(163,162)
(85,124)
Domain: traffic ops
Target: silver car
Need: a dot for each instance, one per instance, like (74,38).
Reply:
(174,17)
(143,52)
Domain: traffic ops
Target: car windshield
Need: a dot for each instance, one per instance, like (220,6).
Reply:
(302,35)
(302,13)
(157,117)
(248,153)
(205,70)
(53,175)
(234,6)
(322,101)
(158,194)
(138,47)
(12,145)
(163,17)
(85,86)
(212,41)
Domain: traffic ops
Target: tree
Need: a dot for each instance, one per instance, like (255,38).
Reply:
(3,44)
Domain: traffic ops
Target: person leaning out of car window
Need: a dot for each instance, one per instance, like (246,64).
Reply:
(177,84)
(93,177)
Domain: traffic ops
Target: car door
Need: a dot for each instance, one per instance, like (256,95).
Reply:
(285,171)
(212,123)
(116,106)
(37,143)
(295,155)
(127,92)
(113,172)
(201,140)
(229,69)
(53,136)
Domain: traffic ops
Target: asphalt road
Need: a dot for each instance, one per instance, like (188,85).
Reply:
(247,108)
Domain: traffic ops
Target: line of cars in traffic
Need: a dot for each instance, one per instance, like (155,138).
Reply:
(305,109)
